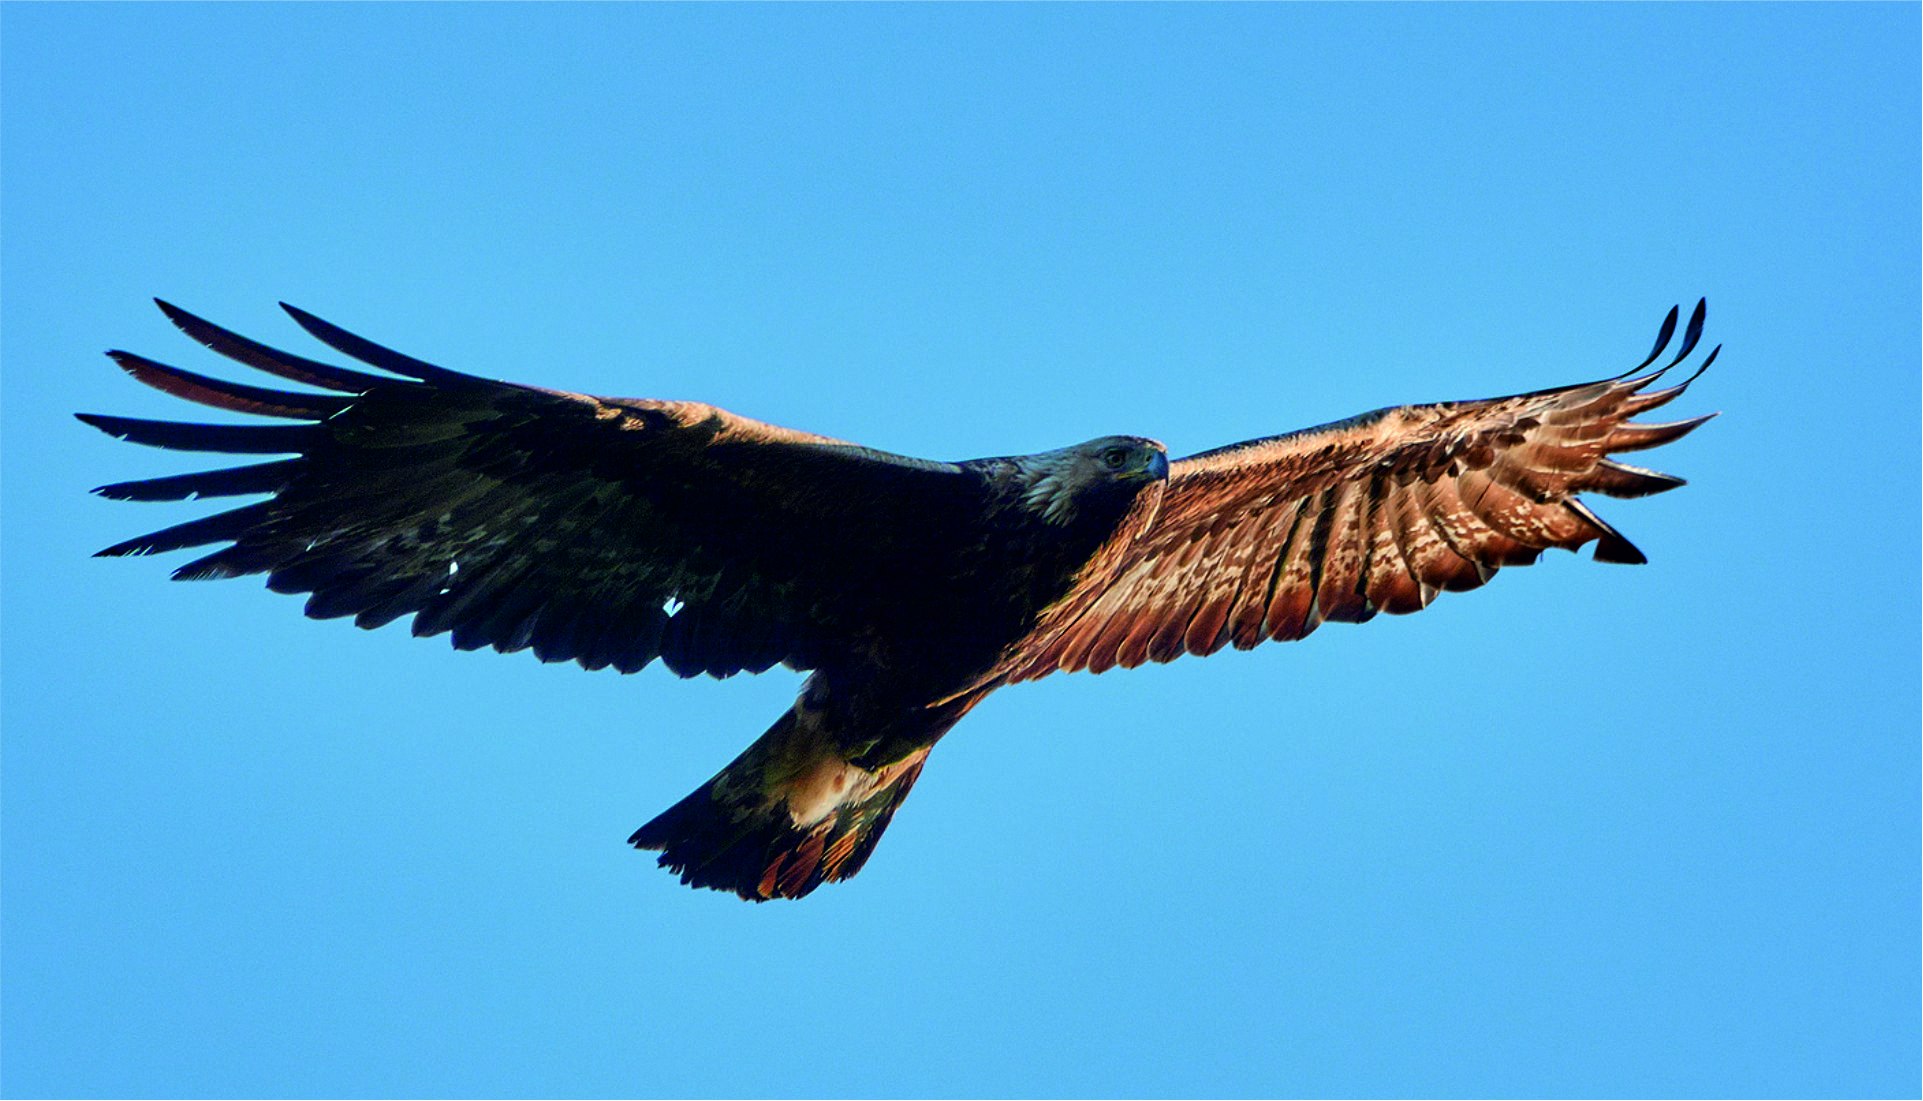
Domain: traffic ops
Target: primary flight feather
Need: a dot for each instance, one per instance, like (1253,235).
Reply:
(613,532)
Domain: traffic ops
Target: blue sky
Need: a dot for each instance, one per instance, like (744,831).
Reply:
(1591,830)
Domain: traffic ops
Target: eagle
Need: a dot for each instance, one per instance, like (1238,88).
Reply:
(613,532)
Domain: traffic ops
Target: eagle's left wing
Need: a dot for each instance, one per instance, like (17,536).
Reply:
(1269,538)
(606,531)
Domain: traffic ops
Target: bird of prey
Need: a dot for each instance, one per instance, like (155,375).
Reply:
(612,532)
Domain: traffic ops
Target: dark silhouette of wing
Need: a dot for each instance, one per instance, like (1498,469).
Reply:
(608,532)
(1269,538)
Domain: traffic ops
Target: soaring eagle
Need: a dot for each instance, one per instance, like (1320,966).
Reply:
(612,532)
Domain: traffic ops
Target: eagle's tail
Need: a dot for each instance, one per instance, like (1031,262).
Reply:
(795,810)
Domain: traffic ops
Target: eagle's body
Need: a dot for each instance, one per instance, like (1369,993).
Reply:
(613,532)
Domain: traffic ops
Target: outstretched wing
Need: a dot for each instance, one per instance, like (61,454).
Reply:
(1269,538)
(608,532)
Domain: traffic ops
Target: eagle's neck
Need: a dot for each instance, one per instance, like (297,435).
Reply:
(1082,519)
(1049,485)
(1137,516)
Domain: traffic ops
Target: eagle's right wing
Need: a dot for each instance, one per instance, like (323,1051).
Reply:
(1269,538)
(608,532)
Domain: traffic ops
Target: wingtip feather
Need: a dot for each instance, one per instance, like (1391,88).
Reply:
(265,358)
(1694,331)
(1615,549)
(173,313)
(1611,545)
(369,352)
(1662,339)
(235,397)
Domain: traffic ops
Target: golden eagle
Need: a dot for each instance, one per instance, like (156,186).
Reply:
(612,532)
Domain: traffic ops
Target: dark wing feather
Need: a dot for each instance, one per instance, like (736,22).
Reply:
(1269,538)
(521,518)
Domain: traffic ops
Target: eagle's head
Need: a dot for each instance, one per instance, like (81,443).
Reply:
(1100,478)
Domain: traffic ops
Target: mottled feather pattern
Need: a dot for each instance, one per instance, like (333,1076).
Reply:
(1390,508)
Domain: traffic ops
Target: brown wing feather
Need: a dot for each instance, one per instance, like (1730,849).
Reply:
(1267,539)
(521,518)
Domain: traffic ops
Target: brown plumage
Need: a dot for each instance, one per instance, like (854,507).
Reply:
(614,532)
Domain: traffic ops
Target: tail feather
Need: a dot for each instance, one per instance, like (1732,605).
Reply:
(791,813)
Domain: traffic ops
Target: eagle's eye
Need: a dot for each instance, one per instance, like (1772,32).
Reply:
(1115,458)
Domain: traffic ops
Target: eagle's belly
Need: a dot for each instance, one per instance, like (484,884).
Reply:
(961,619)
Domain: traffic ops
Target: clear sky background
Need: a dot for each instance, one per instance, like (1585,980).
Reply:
(1591,830)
